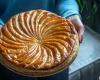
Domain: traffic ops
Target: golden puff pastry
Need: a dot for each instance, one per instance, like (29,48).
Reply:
(38,43)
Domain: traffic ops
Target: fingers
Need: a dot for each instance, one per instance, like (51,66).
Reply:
(80,38)
(80,31)
(78,26)
(1,27)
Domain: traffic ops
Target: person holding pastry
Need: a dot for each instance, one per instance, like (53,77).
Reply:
(66,9)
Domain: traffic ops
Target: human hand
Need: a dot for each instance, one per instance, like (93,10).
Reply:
(78,26)
(0,26)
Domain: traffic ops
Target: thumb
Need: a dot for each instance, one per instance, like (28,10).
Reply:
(1,27)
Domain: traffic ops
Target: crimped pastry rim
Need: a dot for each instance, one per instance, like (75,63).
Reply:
(38,73)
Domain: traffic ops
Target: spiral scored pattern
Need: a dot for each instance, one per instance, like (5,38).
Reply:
(38,39)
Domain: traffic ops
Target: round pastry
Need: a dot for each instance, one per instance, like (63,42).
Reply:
(38,43)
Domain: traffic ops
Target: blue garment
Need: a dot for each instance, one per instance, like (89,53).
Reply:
(63,8)
(1,22)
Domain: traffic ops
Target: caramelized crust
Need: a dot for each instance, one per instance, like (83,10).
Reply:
(38,39)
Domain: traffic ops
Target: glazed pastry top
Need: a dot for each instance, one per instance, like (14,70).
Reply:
(38,39)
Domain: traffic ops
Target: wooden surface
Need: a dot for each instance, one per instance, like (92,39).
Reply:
(89,51)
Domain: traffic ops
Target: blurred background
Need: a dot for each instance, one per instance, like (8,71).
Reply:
(90,13)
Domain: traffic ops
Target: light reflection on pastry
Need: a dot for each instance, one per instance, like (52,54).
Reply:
(38,40)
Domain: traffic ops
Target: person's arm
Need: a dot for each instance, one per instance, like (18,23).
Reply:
(3,6)
(69,9)
(1,23)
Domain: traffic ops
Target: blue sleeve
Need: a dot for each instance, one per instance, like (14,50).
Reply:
(66,8)
(1,22)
